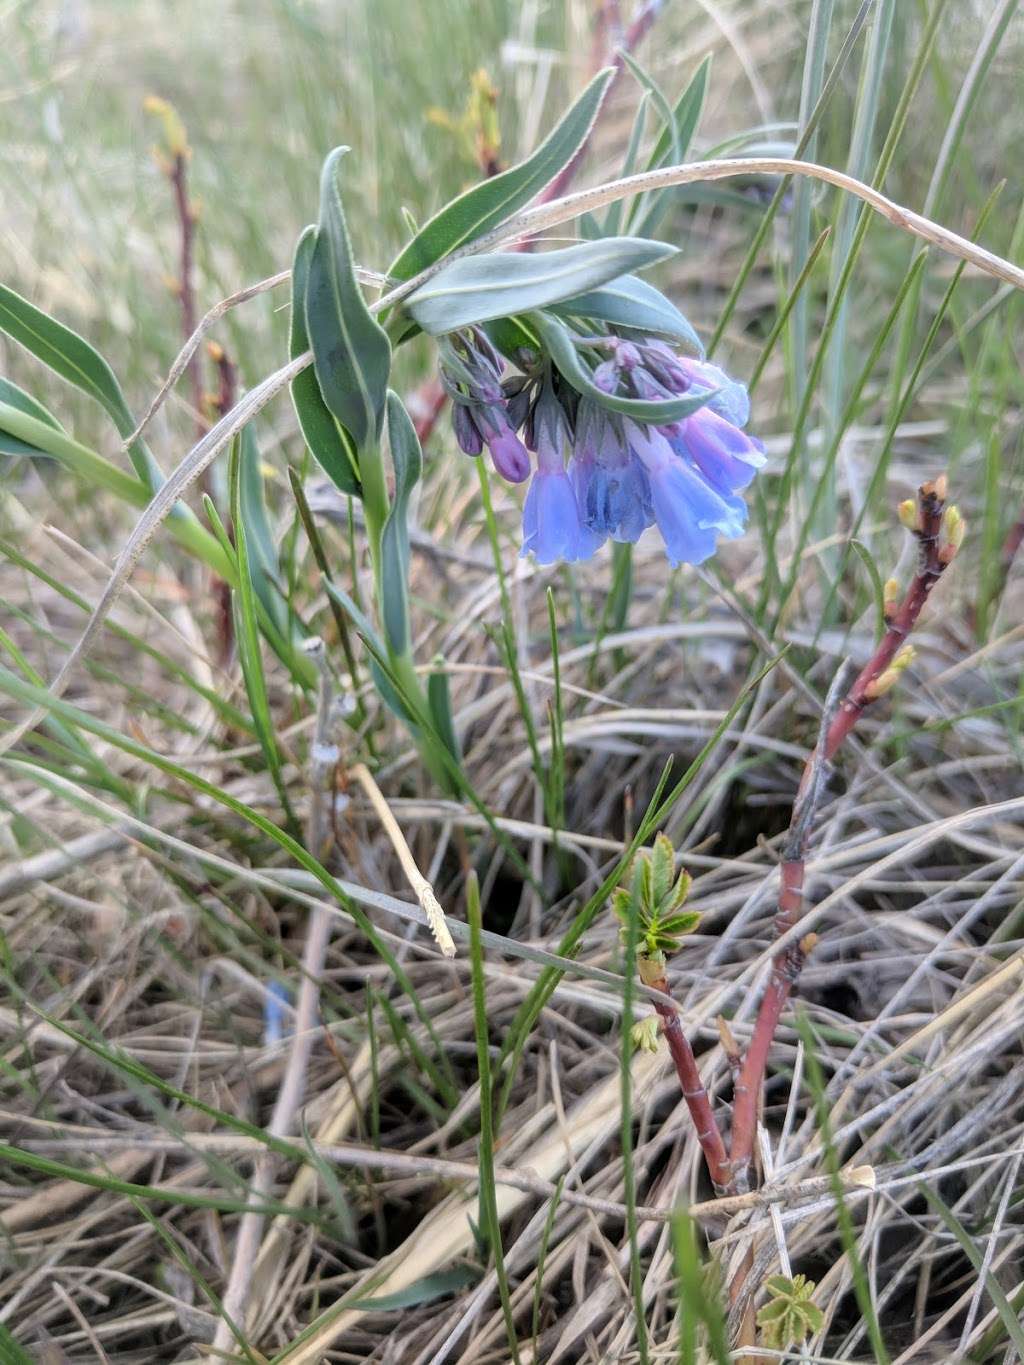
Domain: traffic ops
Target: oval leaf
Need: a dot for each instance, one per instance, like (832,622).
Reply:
(71,356)
(351,353)
(407,459)
(632,302)
(486,205)
(479,288)
(328,443)
(562,351)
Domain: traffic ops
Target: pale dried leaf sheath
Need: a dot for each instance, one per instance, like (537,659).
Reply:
(424,891)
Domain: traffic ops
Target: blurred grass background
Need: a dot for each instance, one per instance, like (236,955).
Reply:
(88,232)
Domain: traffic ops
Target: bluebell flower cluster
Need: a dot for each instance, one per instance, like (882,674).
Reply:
(622,475)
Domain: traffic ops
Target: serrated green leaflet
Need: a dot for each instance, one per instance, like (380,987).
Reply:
(485,206)
(478,288)
(351,353)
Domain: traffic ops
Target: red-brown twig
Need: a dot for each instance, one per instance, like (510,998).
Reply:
(187,217)
(709,1135)
(838,719)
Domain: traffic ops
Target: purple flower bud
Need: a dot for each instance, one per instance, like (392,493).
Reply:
(510,456)
(467,433)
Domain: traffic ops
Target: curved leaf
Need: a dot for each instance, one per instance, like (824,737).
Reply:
(562,351)
(632,302)
(320,431)
(71,356)
(485,206)
(24,402)
(351,353)
(407,459)
(478,288)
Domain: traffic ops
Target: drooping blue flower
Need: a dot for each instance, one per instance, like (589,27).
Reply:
(690,514)
(611,485)
(727,457)
(623,475)
(553,529)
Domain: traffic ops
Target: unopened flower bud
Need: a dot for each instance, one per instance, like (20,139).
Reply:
(940,487)
(908,515)
(890,596)
(953,526)
(888,679)
(645,1034)
(808,943)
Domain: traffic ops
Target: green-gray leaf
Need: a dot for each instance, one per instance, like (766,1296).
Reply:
(71,356)
(632,302)
(439,701)
(264,569)
(407,459)
(562,351)
(485,206)
(351,352)
(673,140)
(326,440)
(478,288)
(24,402)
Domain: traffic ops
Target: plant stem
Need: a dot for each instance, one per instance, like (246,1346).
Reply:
(837,723)
(709,1135)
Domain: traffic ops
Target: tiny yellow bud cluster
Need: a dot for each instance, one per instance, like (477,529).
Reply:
(909,515)
(954,528)
(890,597)
(175,137)
(890,676)
(645,1033)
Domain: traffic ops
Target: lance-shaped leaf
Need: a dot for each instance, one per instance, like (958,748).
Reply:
(264,568)
(478,288)
(485,206)
(559,345)
(632,302)
(439,701)
(671,147)
(407,459)
(24,402)
(351,353)
(71,356)
(329,444)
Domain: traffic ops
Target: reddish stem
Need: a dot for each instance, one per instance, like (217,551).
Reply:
(709,1134)
(177,174)
(788,963)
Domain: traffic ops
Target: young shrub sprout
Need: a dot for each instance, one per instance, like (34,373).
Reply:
(650,905)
